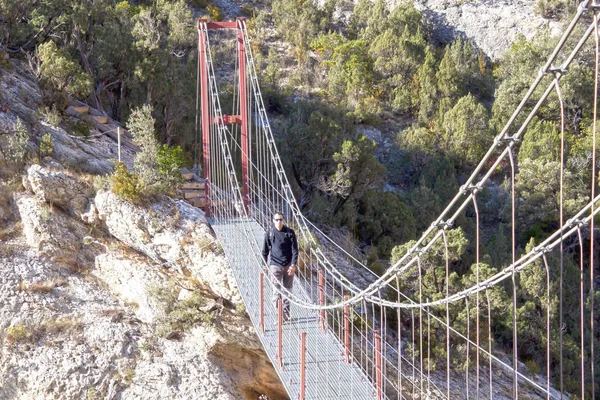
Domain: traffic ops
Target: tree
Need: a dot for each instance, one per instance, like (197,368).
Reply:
(458,72)
(466,135)
(427,88)
(351,74)
(357,171)
(61,73)
(141,126)
(540,142)
(538,188)
(16,149)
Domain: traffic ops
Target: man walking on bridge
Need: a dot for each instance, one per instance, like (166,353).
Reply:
(280,251)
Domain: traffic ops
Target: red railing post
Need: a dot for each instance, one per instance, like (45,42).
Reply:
(302,365)
(243,110)
(205,113)
(321,299)
(378,369)
(261,294)
(347,331)
(280,332)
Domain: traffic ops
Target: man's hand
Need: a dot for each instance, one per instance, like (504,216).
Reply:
(292,270)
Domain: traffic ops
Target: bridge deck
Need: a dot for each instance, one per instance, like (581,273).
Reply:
(327,376)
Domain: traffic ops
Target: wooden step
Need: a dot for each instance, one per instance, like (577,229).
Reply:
(101,119)
(198,202)
(193,194)
(188,176)
(81,109)
(193,186)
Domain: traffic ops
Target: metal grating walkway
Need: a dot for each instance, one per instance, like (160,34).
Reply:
(327,375)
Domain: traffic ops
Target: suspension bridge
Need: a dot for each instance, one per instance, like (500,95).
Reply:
(341,342)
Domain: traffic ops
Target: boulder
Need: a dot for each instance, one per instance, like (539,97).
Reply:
(59,189)
(51,233)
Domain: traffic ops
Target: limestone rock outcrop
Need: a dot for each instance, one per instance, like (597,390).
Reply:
(59,189)
(173,234)
(51,233)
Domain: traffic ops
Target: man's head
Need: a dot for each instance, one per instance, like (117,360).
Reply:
(278,220)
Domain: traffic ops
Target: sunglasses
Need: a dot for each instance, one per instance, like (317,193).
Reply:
(277,219)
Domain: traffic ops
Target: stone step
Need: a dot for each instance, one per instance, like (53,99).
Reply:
(193,194)
(193,186)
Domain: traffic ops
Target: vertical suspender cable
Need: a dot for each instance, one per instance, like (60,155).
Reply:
(447,259)
(561,275)
(477,299)
(592,235)
(514,282)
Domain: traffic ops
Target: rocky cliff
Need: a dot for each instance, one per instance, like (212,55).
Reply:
(104,299)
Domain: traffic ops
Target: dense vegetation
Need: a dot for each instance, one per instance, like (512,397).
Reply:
(439,107)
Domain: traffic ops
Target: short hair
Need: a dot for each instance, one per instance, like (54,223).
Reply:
(278,213)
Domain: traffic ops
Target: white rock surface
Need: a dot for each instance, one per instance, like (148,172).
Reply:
(59,189)
(491,24)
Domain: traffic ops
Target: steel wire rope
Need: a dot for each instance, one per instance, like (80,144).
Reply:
(447,259)
(581,316)
(468,346)
(561,216)
(288,195)
(547,325)
(506,272)
(477,243)
(374,286)
(593,187)
(514,282)
(535,110)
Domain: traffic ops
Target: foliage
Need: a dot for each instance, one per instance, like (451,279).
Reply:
(126,184)
(466,135)
(552,9)
(141,126)
(60,71)
(46,145)
(50,115)
(170,161)
(16,149)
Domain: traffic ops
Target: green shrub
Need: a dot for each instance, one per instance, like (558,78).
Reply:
(552,9)
(50,115)
(16,148)
(80,128)
(126,184)
(215,13)
(103,182)
(18,334)
(170,162)
(46,145)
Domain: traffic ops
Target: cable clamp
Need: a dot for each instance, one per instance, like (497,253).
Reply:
(591,4)
(510,139)
(542,249)
(464,189)
(557,71)
(575,222)
(442,225)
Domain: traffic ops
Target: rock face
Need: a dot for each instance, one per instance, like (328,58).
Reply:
(173,234)
(491,24)
(52,233)
(92,332)
(60,189)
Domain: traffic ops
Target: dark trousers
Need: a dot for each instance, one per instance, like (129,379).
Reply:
(279,276)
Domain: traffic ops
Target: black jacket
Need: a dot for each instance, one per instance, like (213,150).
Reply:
(282,247)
